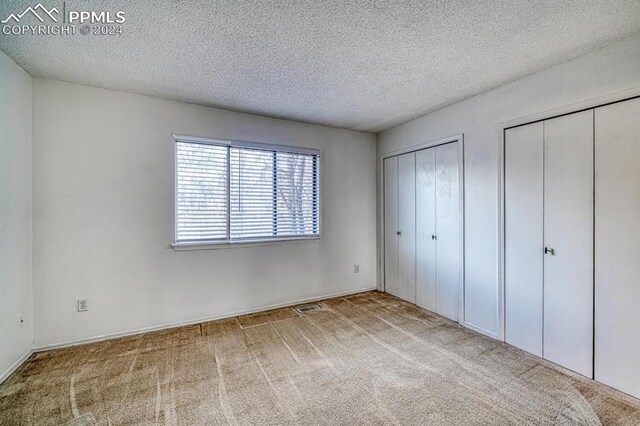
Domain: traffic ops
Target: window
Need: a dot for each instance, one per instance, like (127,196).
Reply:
(240,191)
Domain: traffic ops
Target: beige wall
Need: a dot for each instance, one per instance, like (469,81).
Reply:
(16,339)
(103,216)
(613,69)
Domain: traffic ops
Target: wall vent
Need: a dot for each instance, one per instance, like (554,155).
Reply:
(304,309)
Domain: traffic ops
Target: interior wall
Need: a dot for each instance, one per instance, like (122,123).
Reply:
(16,338)
(606,71)
(103,184)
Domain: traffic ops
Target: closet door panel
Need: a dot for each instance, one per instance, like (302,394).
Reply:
(426,228)
(524,194)
(617,227)
(407,226)
(447,231)
(390,170)
(568,230)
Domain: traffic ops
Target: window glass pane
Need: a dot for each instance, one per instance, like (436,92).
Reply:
(297,194)
(252,193)
(201,192)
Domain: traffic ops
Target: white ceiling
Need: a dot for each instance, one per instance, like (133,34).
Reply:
(364,65)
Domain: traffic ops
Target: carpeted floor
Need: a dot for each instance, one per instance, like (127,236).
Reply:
(363,359)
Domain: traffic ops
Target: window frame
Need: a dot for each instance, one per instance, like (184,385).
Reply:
(228,242)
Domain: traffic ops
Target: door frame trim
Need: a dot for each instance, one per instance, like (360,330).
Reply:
(588,104)
(413,148)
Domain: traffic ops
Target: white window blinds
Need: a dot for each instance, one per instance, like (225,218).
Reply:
(297,189)
(237,192)
(201,192)
(253,212)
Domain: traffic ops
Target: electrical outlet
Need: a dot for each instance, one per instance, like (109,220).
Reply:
(83,305)
(356,269)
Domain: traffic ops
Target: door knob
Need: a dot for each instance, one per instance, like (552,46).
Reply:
(550,251)
(433,237)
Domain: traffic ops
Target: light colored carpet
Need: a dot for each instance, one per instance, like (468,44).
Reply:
(363,359)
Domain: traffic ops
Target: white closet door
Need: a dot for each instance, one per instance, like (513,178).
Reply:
(426,228)
(447,231)
(390,170)
(568,231)
(407,226)
(617,298)
(523,213)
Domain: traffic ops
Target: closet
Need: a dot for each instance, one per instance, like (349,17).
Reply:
(617,236)
(572,241)
(549,239)
(399,213)
(422,228)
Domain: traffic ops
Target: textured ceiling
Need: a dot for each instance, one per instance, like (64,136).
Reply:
(365,65)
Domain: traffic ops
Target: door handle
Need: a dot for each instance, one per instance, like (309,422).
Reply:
(433,237)
(398,233)
(550,251)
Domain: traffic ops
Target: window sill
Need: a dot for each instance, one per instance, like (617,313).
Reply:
(214,245)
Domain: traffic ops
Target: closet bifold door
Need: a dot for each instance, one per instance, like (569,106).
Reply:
(407,227)
(523,214)
(568,242)
(390,174)
(447,234)
(426,229)
(617,298)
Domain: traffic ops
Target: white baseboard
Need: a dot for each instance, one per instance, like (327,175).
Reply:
(481,331)
(4,376)
(86,340)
